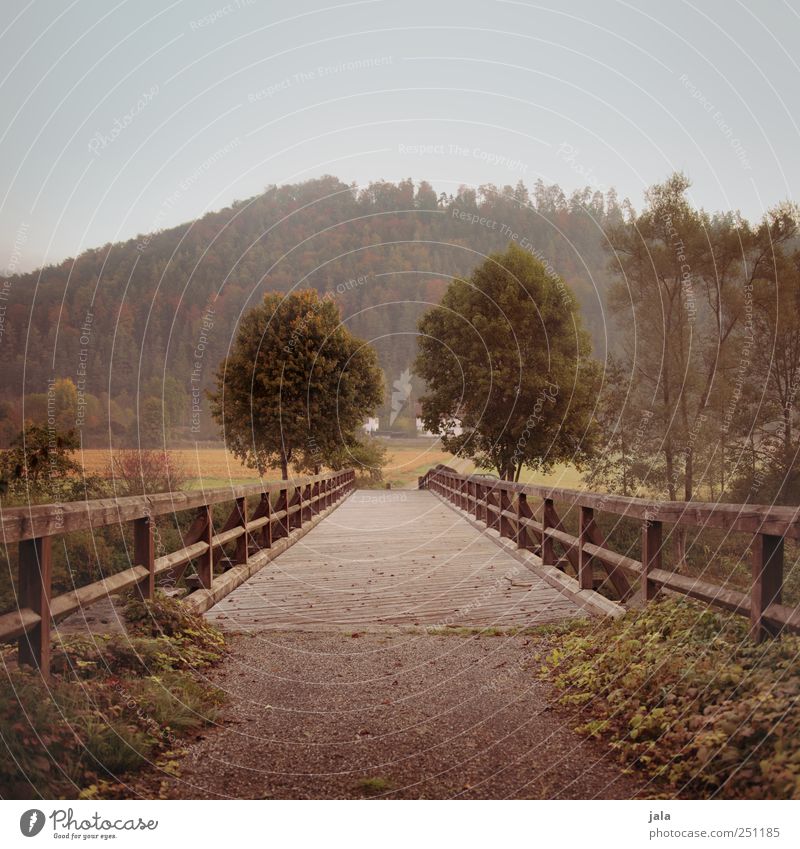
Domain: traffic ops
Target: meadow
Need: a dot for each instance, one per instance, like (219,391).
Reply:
(408,459)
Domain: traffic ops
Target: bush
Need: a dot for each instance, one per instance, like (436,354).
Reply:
(188,638)
(683,694)
(140,471)
(115,703)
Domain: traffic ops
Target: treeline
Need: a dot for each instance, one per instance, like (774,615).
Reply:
(125,339)
(701,398)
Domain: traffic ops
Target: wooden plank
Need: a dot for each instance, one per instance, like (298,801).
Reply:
(35,586)
(144,553)
(20,523)
(242,543)
(745,518)
(585,570)
(767,571)
(610,556)
(83,597)
(782,616)
(17,622)
(732,600)
(205,562)
(204,599)
(368,567)
(178,558)
(652,545)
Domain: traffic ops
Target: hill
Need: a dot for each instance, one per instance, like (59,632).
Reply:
(124,338)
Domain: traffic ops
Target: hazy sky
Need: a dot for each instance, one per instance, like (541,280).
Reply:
(121,118)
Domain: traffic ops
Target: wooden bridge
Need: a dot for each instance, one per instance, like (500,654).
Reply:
(460,551)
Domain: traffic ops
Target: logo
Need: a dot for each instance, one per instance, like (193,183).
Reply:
(31,822)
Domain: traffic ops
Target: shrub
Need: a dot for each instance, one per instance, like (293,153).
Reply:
(682,693)
(140,471)
(115,702)
(188,638)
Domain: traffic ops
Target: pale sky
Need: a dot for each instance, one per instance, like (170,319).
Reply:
(125,117)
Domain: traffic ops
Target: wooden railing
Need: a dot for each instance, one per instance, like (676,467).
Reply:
(505,507)
(271,527)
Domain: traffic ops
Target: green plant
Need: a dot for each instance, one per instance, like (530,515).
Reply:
(115,702)
(190,641)
(681,693)
(374,786)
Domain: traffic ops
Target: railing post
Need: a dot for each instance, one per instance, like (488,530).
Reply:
(144,554)
(492,498)
(266,531)
(282,529)
(476,504)
(652,541)
(506,527)
(463,486)
(35,585)
(205,562)
(308,509)
(585,571)
(242,542)
(317,502)
(767,583)
(548,551)
(523,512)
(295,519)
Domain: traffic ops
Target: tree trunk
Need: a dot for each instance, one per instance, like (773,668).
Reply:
(284,465)
(669,461)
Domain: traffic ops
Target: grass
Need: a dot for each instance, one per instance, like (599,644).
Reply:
(408,459)
(115,703)
(488,631)
(374,786)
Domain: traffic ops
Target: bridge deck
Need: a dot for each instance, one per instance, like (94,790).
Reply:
(392,559)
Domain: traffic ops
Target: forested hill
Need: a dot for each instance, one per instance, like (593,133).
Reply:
(140,326)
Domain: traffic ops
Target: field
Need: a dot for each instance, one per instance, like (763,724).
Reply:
(408,460)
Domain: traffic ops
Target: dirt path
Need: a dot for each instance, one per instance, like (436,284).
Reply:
(399,715)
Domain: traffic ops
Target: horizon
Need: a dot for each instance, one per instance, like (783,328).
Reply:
(357,187)
(111,112)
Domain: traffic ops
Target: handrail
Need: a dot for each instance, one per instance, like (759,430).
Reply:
(490,502)
(21,523)
(34,528)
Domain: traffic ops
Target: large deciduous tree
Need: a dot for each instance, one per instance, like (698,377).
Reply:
(508,367)
(296,385)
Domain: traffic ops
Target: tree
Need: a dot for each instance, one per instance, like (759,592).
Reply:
(149,429)
(510,378)
(135,471)
(296,386)
(680,300)
(39,466)
(769,440)
(366,455)
(623,463)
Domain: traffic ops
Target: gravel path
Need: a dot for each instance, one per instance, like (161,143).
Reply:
(393,714)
